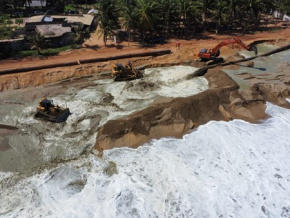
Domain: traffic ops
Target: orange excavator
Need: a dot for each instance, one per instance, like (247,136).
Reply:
(211,54)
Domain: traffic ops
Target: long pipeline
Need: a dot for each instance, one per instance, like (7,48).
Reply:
(86,61)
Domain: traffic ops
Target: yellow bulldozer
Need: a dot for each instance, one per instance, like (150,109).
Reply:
(46,110)
(121,73)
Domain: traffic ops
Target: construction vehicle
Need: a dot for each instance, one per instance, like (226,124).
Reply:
(212,54)
(121,73)
(48,111)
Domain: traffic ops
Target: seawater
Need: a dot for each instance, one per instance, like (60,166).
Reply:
(222,169)
(262,65)
(39,143)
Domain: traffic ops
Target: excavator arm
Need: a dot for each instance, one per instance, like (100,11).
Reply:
(212,54)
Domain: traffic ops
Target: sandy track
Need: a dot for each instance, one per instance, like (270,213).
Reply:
(187,50)
(185,53)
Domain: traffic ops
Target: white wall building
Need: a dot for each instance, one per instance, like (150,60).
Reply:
(36,3)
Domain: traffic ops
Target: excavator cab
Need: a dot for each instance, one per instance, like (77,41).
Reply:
(117,68)
(207,54)
(46,110)
(46,104)
(204,50)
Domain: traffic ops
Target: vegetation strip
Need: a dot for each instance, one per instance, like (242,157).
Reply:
(85,61)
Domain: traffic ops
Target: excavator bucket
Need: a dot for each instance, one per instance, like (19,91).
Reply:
(254,49)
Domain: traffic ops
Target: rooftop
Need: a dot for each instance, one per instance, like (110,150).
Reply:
(86,19)
(36,3)
(10,40)
(34,19)
(52,30)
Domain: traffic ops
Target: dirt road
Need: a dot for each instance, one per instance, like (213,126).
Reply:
(94,48)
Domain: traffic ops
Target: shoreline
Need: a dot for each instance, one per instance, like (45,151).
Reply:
(165,116)
(183,54)
(178,116)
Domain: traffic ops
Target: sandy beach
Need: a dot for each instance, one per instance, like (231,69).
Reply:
(164,117)
(166,145)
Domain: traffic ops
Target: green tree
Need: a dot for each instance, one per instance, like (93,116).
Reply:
(19,21)
(145,12)
(255,9)
(79,33)
(188,12)
(4,18)
(283,6)
(9,22)
(17,3)
(128,15)
(220,12)
(4,4)
(108,19)
(59,5)
(206,6)
(168,15)
(38,42)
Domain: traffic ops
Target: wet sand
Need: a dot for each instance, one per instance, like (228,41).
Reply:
(174,118)
(165,117)
(6,130)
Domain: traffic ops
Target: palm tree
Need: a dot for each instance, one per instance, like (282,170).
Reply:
(108,18)
(242,13)
(128,14)
(105,30)
(220,12)
(145,12)
(206,5)
(187,12)
(255,8)
(79,34)
(15,3)
(284,6)
(168,14)
(38,42)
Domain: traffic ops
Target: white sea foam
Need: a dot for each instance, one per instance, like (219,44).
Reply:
(173,82)
(91,107)
(222,169)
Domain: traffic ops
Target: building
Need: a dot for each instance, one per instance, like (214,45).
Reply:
(66,20)
(9,46)
(86,19)
(57,34)
(35,3)
(32,22)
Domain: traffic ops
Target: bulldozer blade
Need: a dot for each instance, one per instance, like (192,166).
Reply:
(254,49)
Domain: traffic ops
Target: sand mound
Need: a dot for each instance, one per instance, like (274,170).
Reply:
(176,117)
